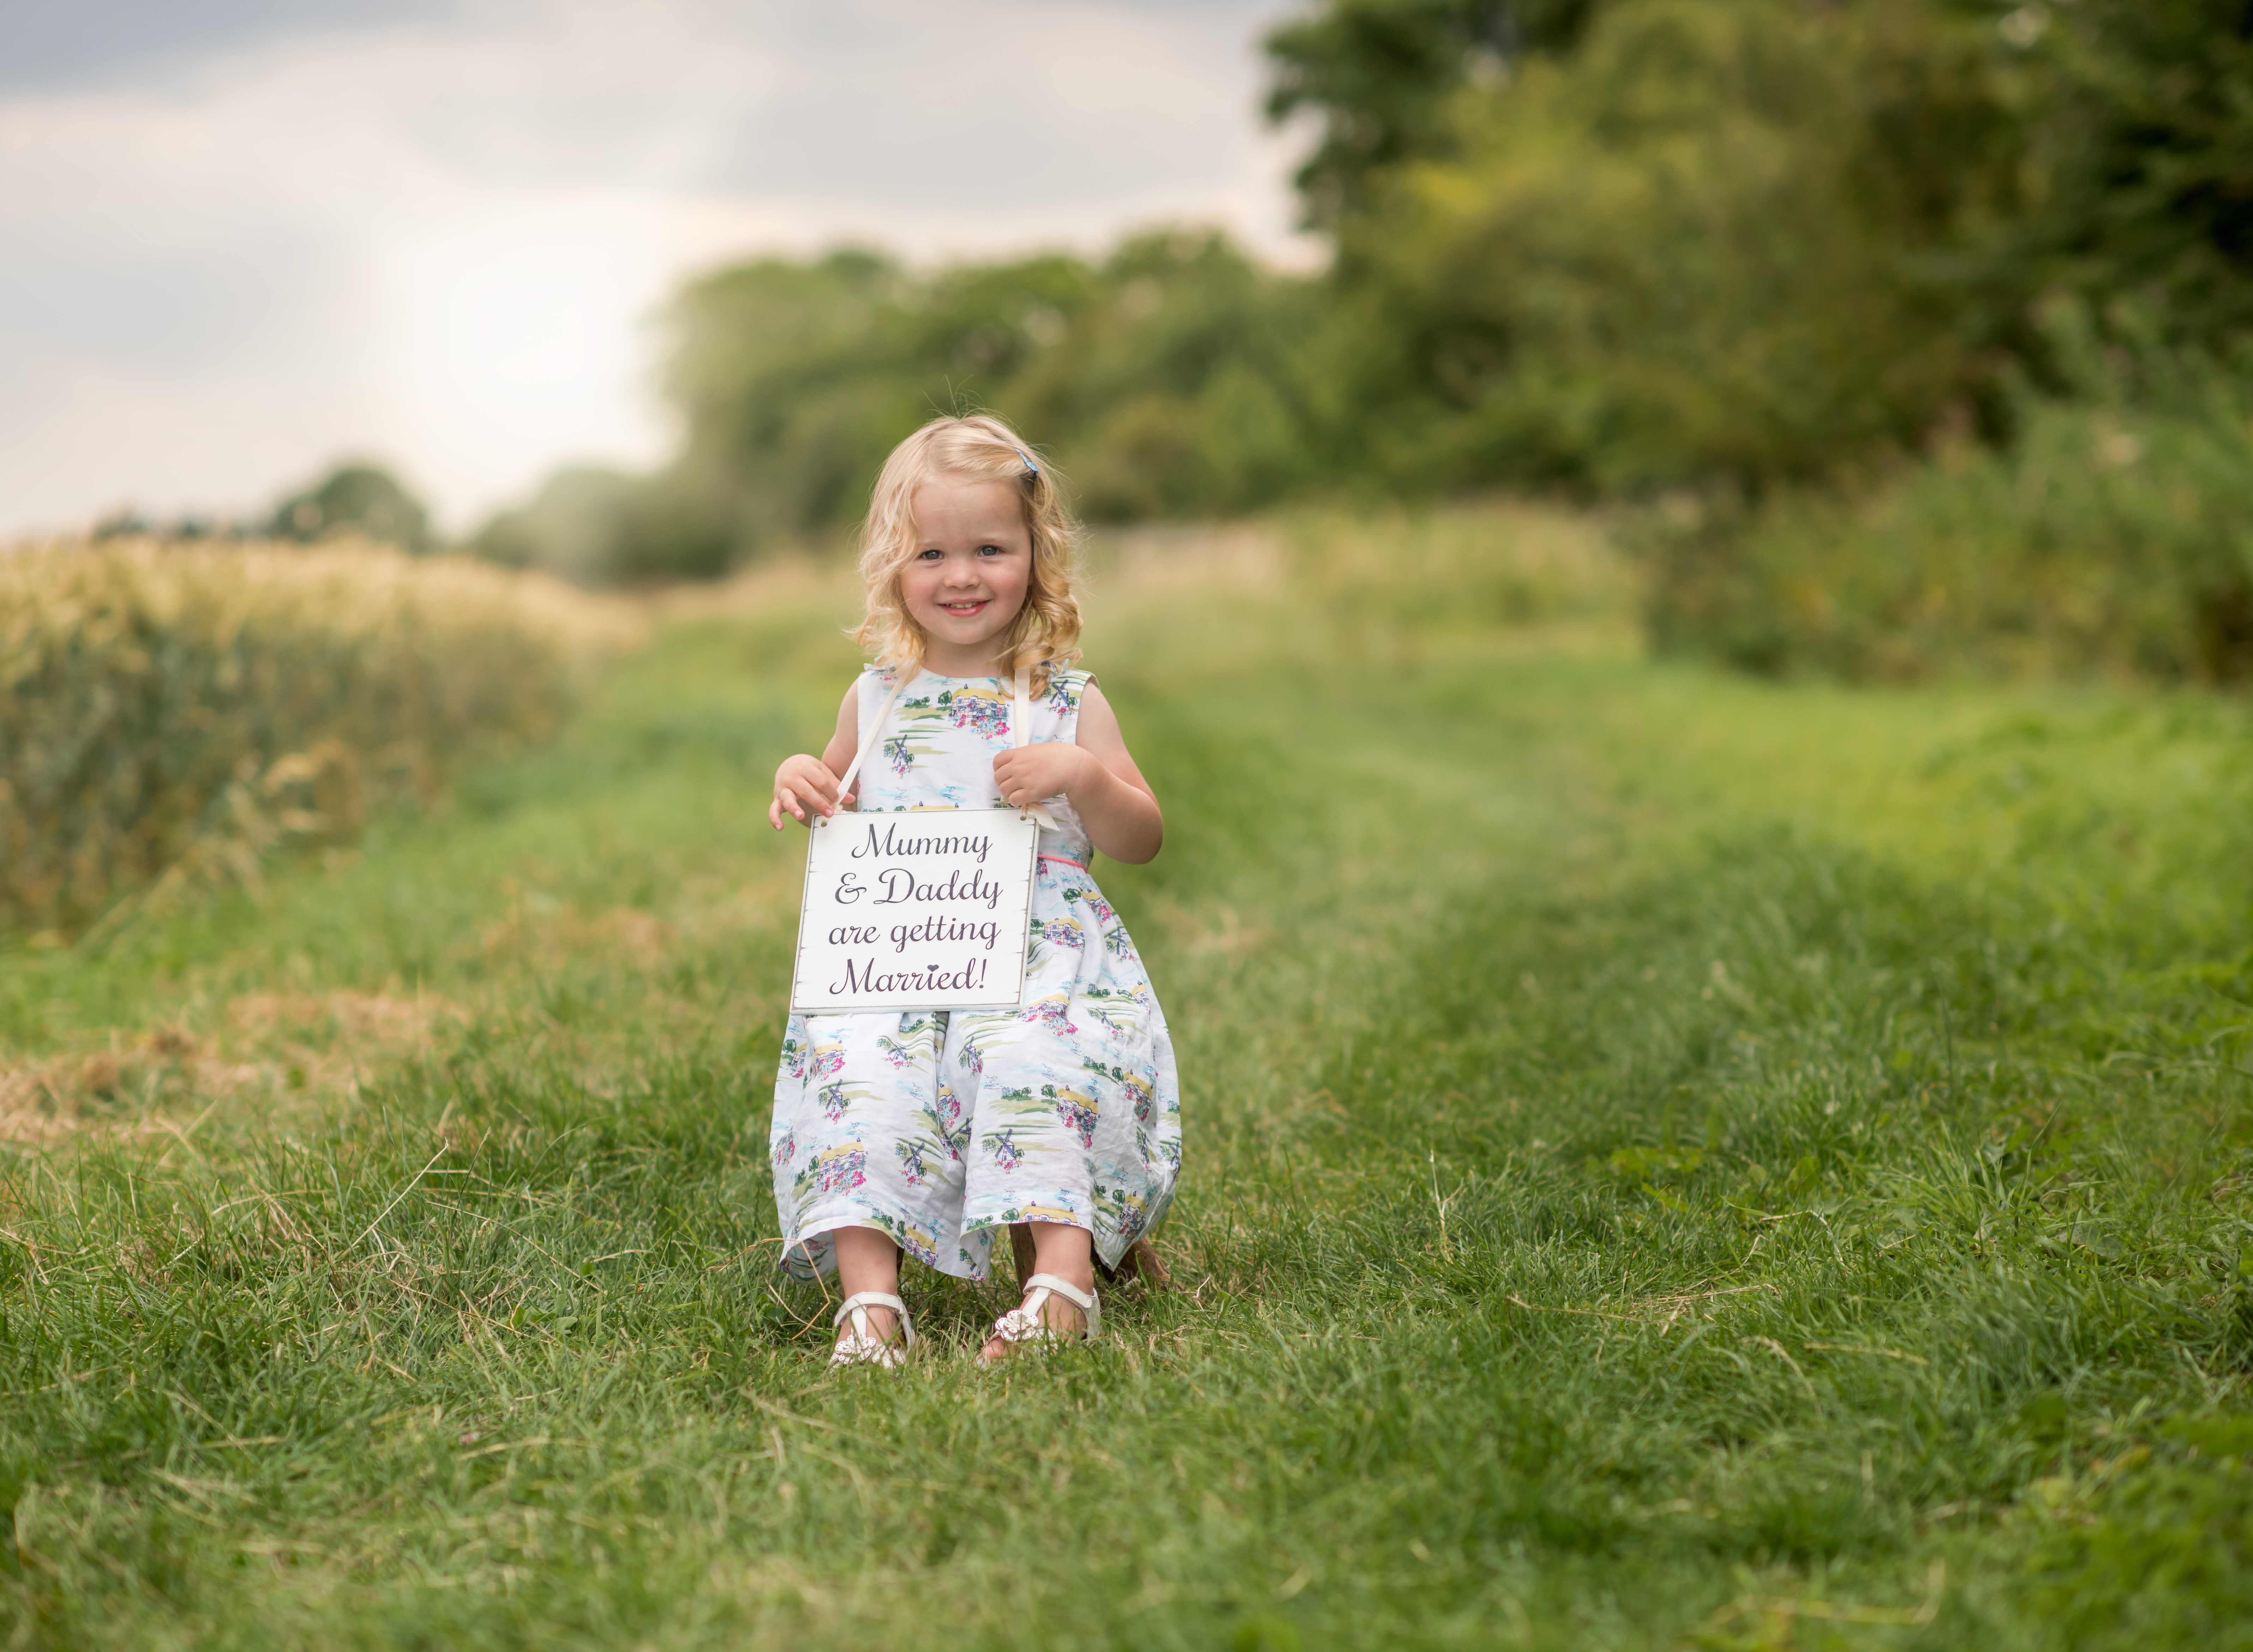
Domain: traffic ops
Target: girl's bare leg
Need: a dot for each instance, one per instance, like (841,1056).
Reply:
(1057,1248)
(868,1260)
(1139,1262)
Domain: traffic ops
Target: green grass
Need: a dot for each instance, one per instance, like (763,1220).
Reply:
(1672,1161)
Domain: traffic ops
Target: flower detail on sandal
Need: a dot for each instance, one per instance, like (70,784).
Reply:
(1026,1323)
(861,1346)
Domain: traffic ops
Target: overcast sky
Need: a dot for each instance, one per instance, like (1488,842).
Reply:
(239,238)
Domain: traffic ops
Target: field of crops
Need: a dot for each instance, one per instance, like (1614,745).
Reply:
(172,710)
(1673,1161)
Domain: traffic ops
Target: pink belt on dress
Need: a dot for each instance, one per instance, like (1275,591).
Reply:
(1061,860)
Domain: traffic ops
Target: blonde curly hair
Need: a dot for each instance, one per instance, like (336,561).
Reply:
(975,448)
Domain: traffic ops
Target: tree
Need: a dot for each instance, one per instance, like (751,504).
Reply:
(604,526)
(355,497)
(1380,73)
(2148,145)
(1666,242)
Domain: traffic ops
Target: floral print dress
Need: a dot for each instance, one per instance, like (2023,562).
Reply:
(940,1128)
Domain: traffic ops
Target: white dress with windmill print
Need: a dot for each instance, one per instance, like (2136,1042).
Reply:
(939,1127)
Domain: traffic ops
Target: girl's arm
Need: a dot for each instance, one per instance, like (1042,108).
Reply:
(1097,773)
(804,780)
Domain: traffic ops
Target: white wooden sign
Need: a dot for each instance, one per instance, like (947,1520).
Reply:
(925,909)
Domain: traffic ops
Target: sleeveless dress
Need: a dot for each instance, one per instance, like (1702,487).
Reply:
(941,1127)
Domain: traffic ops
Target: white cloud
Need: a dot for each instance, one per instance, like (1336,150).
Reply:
(443,243)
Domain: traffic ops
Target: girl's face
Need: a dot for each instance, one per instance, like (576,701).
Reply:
(968,578)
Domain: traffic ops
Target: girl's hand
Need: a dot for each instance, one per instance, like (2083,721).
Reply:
(1096,772)
(802,782)
(1028,775)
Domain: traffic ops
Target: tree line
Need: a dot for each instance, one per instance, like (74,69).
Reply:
(1731,254)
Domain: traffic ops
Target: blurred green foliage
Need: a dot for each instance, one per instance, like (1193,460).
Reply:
(1703,245)
(1169,376)
(602,525)
(2103,301)
(1759,257)
(2148,146)
(2110,536)
(1380,73)
(356,499)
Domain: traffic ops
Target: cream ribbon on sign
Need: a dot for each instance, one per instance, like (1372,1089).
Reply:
(1021,733)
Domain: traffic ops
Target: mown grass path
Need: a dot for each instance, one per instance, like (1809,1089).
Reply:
(1673,1161)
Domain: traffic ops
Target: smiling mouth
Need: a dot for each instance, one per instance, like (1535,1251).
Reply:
(965,609)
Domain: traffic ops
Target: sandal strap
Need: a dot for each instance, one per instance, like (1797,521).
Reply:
(870,1299)
(1064,1289)
(857,1306)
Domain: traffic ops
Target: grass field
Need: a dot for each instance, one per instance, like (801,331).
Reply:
(1673,1161)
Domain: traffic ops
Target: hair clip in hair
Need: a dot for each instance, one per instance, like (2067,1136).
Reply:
(1030,467)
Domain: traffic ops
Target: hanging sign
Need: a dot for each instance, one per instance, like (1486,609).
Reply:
(926,908)
(917,910)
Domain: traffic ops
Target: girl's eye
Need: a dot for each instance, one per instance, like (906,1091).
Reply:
(927,556)
(989,550)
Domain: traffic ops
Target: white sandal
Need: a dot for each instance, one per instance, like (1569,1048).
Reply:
(862,1345)
(1024,1323)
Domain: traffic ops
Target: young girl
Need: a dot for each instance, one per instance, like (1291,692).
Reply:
(924,1132)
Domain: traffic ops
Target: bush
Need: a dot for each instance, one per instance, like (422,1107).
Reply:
(168,709)
(2110,537)
(601,527)
(355,500)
